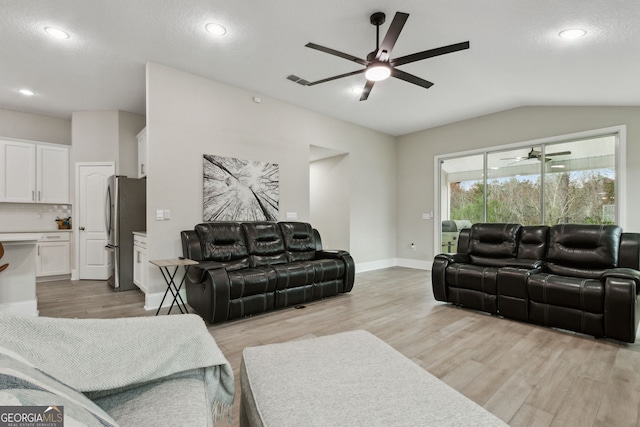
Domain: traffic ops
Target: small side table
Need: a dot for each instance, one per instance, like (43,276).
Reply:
(164,265)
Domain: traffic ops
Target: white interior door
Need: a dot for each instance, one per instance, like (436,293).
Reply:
(94,262)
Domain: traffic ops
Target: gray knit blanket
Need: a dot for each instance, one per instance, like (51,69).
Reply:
(101,357)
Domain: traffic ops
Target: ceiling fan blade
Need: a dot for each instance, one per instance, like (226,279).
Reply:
(328,79)
(337,53)
(429,54)
(384,51)
(367,90)
(559,153)
(399,74)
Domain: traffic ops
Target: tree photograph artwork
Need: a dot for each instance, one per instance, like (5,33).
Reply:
(239,190)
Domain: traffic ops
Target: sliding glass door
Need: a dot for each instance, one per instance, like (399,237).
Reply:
(553,183)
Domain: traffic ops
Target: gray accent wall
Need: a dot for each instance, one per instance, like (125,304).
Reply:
(416,152)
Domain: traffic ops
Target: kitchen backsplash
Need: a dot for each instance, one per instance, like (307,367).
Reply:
(31,217)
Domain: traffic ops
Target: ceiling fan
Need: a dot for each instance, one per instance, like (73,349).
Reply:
(378,65)
(535,154)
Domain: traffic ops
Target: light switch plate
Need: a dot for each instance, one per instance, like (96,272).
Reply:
(159,215)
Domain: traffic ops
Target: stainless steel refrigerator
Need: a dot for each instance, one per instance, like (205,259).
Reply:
(126,212)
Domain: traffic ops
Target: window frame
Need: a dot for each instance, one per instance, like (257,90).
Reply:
(619,132)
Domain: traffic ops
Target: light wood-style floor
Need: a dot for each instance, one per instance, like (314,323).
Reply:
(525,374)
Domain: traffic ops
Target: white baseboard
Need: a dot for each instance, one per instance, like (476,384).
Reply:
(152,301)
(393,262)
(21,307)
(55,278)
(414,263)
(375,265)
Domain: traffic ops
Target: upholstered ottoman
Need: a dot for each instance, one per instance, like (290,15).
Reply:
(347,379)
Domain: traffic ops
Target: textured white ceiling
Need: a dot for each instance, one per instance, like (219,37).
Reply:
(515,57)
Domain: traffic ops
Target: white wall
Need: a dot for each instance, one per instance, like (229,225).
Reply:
(35,127)
(129,125)
(104,136)
(188,116)
(415,154)
(330,195)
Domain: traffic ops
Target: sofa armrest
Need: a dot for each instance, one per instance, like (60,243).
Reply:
(209,291)
(621,311)
(453,258)
(622,273)
(197,273)
(349,265)
(438,270)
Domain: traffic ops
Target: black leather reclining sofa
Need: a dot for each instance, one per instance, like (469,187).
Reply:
(252,267)
(583,278)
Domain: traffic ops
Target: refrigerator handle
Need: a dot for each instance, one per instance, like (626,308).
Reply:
(107,213)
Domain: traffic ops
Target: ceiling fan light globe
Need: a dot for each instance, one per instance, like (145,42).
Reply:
(377,72)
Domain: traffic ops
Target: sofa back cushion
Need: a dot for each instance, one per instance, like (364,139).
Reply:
(264,243)
(532,243)
(583,250)
(223,242)
(492,244)
(299,241)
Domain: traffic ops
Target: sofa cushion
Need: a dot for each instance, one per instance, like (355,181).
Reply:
(565,291)
(491,242)
(299,240)
(533,242)
(583,250)
(251,281)
(221,241)
(179,399)
(264,243)
(22,384)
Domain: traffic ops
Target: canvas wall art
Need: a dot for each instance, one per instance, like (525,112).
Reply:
(240,190)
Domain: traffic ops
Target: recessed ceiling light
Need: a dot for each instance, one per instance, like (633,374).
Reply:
(56,33)
(572,33)
(26,92)
(215,29)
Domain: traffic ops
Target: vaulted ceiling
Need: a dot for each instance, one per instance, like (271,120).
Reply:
(516,57)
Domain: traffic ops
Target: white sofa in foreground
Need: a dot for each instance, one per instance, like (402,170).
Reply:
(143,371)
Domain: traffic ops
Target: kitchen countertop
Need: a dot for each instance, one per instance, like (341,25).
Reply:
(36,231)
(20,237)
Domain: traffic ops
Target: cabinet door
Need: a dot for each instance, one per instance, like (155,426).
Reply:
(53,174)
(140,267)
(18,175)
(52,259)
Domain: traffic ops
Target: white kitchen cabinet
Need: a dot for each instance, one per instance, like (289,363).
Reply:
(52,174)
(18,175)
(140,260)
(53,255)
(142,153)
(34,172)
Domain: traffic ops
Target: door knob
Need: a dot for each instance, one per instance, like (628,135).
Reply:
(81,228)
